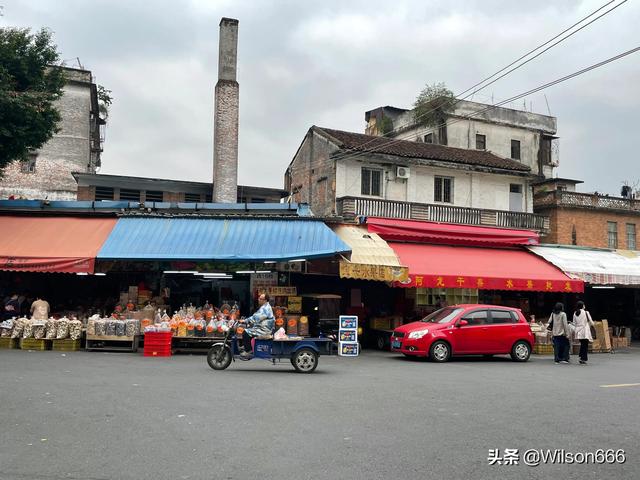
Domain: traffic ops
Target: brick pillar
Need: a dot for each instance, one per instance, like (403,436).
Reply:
(225,143)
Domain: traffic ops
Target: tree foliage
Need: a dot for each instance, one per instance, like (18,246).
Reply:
(29,86)
(104,101)
(432,104)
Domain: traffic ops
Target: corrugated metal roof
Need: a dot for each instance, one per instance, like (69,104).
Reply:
(598,267)
(366,248)
(220,239)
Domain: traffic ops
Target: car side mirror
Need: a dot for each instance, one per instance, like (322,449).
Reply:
(462,323)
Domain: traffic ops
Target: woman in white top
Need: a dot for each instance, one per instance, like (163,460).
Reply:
(582,322)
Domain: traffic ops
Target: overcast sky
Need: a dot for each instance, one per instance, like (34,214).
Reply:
(303,63)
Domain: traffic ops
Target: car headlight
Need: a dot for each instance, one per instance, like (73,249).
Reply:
(418,334)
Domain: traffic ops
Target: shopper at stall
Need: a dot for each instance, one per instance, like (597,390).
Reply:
(560,331)
(260,323)
(40,309)
(11,307)
(582,322)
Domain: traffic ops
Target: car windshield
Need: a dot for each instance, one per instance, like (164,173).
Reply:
(444,315)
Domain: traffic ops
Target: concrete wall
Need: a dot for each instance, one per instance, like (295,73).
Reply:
(470,189)
(312,175)
(68,151)
(498,139)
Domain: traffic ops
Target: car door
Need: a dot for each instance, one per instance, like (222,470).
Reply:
(502,330)
(472,337)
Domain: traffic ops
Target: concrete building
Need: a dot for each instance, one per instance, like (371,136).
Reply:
(138,189)
(47,174)
(350,174)
(526,137)
(586,219)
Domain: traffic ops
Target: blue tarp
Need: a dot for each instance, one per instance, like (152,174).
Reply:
(156,238)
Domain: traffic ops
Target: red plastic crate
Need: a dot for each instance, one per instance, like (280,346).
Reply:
(157,351)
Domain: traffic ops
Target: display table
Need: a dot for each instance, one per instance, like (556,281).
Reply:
(112,342)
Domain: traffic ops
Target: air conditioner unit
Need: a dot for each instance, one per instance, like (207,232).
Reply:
(402,172)
(289,267)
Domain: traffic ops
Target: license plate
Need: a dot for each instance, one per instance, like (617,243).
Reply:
(396,344)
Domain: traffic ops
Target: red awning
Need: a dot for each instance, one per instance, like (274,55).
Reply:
(444,266)
(52,244)
(431,232)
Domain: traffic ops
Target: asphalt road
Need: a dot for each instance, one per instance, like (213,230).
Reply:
(90,416)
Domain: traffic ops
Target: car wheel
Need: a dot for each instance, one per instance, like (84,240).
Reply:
(440,351)
(305,360)
(521,351)
(219,357)
(380,342)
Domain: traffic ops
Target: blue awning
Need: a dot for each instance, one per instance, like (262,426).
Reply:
(155,238)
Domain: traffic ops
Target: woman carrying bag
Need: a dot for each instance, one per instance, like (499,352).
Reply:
(560,330)
(583,323)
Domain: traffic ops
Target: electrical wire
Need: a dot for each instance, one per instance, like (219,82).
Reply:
(458,99)
(357,152)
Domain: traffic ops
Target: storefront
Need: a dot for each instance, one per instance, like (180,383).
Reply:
(141,266)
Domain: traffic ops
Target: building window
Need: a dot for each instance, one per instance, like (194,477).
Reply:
(104,193)
(442,134)
(371,182)
(29,165)
(153,196)
(574,236)
(631,236)
(515,149)
(443,189)
(192,197)
(130,195)
(612,231)
(428,138)
(481,142)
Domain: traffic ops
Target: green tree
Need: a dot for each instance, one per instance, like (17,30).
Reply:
(432,104)
(30,83)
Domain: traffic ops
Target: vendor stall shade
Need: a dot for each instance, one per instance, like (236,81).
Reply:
(52,244)
(443,233)
(442,266)
(371,256)
(594,266)
(200,239)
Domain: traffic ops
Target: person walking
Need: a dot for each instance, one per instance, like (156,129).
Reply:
(559,327)
(583,323)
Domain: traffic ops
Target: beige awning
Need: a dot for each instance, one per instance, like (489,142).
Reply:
(371,257)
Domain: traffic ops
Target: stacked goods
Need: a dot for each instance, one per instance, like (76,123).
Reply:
(292,324)
(75,329)
(62,328)
(50,327)
(303,326)
(620,337)
(6,327)
(602,340)
(110,327)
(18,328)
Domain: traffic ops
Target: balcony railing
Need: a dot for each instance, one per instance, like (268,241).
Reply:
(351,207)
(584,200)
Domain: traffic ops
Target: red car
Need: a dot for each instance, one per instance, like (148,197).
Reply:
(466,330)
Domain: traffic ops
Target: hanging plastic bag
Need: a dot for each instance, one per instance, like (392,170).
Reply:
(280,334)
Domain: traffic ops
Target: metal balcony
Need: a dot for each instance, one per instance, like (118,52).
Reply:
(352,207)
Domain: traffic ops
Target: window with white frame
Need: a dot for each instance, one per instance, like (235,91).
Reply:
(443,189)
(631,236)
(612,234)
(371,181)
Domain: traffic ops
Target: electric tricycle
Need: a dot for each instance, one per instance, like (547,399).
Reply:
(303,353)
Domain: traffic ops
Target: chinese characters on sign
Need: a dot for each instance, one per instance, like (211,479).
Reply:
(365,271)
(484,283)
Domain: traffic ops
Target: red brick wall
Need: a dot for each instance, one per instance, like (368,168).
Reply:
(591,227)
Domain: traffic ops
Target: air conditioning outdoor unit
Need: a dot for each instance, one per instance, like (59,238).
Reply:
(402,172)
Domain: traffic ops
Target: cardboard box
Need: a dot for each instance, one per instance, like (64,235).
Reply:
(380,323)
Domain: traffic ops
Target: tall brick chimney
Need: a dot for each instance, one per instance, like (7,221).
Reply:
(225,139)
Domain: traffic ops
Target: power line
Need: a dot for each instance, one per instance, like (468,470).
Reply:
(358,153)
(458,99)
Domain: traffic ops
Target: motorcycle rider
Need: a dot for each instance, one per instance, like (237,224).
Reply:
(259,324)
